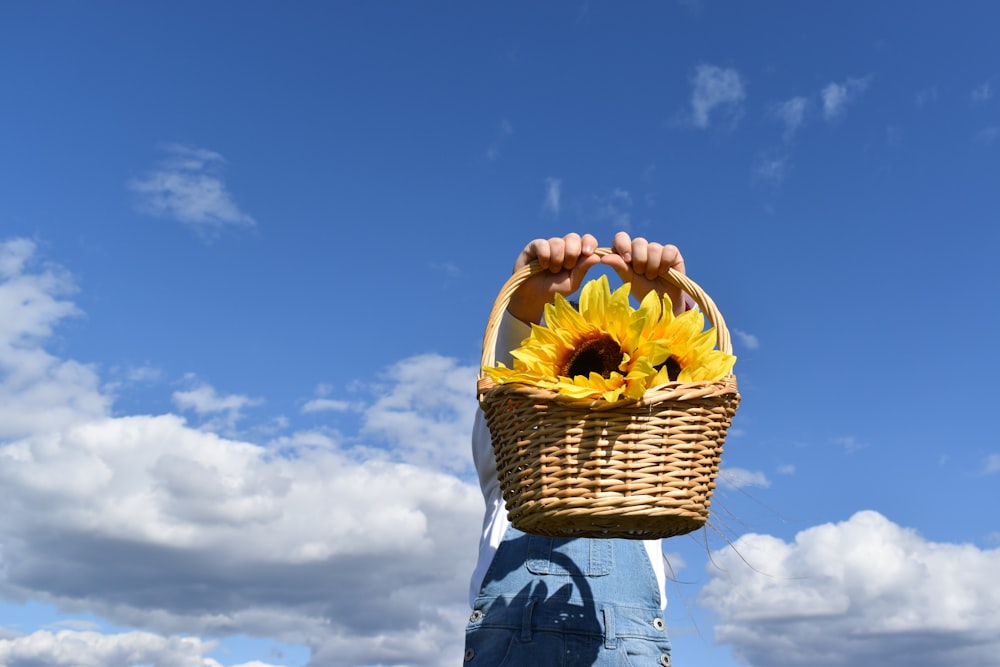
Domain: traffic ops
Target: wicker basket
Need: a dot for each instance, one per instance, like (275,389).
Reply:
(571,467)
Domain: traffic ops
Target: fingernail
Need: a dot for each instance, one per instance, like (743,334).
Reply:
(627,257)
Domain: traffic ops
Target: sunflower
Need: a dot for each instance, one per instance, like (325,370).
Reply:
(608,349)
(693,357)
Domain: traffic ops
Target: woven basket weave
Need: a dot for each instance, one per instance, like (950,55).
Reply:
(571,467)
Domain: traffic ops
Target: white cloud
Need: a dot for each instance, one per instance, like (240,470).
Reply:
(615,208)
(152,524)
(187,186)
(837,96)
(14,256)
(30,303)
(426,415)
(848,442)
(37,390)
(72,648)
(224,411)
(992,463)
(982,93)
(716,88)
(553,187)
(771,168)
(326,405)
(504,131)
(739,478)
(449,269)
(862,592)
(791,113)
(748,340)
(142,374)
(203,399)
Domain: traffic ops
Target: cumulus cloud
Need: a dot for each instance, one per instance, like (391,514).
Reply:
(426,414)
(553,187)
(449,269)
(849,442)
(224,411)
(174,530)
(716,88)
(837,96)
(748,340)
(145,373)
(37,390)
(71,648)
(203,399)
(504,131)
(772,168)
(187,186)
(739,478)
(791,113)
(861,592)
(326,405)
(615,208)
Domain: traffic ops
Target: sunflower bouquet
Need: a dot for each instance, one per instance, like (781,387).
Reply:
(611,420)
(607,349)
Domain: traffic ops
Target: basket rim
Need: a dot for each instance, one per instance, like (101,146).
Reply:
(671,391)
(672,277)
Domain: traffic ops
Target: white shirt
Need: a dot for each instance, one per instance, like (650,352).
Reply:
(495,522)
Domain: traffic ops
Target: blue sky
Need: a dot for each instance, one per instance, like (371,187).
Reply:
(247,252)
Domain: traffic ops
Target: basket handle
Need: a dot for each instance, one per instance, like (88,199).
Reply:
(673,277)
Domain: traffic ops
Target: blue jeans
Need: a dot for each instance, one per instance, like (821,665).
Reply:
(567,602)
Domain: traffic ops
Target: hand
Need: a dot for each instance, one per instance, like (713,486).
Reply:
(641,263)
(565,261)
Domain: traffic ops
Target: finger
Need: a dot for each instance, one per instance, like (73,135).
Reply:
(557,253)
(588,244)
(623,246)
(640,255)
(572,245)
(617,262)
(672,259)
(537,250)
(654,253)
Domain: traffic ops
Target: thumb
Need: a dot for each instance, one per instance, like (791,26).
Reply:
(620,266)
(579,271)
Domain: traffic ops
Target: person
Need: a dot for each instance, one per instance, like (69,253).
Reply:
(540,601)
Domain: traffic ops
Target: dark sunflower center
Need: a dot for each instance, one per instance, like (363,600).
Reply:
(673,368)
(596,355)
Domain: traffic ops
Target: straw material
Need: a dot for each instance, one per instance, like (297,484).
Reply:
(572,467)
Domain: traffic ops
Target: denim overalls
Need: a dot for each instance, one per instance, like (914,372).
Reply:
(567,603)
